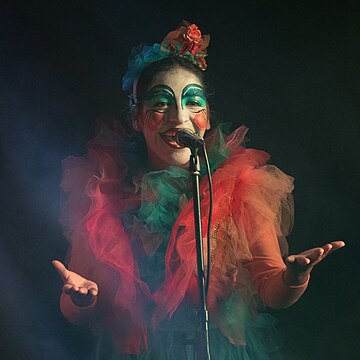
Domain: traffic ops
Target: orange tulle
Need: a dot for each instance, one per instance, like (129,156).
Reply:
(242,184)
(248,196)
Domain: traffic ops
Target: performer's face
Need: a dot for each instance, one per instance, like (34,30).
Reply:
(174,100)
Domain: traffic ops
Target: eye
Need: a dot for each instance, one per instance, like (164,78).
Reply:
(160,105)
(193,103)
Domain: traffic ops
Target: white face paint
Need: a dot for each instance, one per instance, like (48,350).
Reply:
(174,100)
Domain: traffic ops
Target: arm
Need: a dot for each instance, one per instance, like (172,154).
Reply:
(267,267)
(88,286)
(79,295)
(281,284)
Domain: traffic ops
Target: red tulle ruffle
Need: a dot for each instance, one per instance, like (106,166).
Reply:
(96,196)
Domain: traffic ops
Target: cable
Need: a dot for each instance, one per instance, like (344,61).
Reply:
(209,220)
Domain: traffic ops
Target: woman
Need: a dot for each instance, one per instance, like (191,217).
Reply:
(132,267)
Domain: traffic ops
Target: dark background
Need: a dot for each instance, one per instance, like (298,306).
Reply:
(289,70)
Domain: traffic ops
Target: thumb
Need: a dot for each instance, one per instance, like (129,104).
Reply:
(61,270)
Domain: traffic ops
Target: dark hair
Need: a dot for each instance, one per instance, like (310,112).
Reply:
(160,66)
(147,75)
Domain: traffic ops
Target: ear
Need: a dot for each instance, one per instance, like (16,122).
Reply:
(208,124)
(135,124)
(135,121)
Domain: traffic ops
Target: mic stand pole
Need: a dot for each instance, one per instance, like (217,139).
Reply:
(203,350)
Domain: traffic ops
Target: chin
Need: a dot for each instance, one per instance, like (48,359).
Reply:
(179,158)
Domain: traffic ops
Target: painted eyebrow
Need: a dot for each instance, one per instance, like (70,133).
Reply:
(198,90)
(159,89)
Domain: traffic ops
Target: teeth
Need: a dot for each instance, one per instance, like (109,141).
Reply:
(169,138)
(167,135)
(170,133)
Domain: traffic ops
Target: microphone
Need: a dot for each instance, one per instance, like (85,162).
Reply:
(188,139)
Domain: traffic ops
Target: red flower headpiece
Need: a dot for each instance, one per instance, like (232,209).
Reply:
(187,41)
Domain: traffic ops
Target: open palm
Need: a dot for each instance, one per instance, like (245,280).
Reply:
(82,291)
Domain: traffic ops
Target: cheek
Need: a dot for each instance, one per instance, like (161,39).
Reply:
(154,120)
(201,120)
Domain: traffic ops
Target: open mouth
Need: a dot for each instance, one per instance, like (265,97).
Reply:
(169,138)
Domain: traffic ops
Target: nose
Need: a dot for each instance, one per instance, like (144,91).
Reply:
(179,115)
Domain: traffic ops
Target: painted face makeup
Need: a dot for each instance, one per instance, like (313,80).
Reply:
(193,97)
(158,100)
(201,120)
(175,100)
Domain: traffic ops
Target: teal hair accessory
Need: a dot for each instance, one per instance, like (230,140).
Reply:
(139,58)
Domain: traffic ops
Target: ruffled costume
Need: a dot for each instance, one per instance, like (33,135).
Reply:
(131,231)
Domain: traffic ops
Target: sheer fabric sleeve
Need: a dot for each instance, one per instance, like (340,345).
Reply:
(265,211)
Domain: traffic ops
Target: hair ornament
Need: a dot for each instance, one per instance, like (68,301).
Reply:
(186,41)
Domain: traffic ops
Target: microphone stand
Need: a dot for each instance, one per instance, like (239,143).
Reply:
(203,349)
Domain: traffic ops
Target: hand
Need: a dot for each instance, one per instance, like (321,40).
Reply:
(299,266)
(83,292)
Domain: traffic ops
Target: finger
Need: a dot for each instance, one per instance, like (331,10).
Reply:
(328,248)
(304,259)
(93,292)
(82,299)
(337,245)
(290,259)
(331,247)
(61,270)
(91,287)
(297,262)
(83,291)
(319,254)
(70,289)
(301,260)
(88,291)
(316,254)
